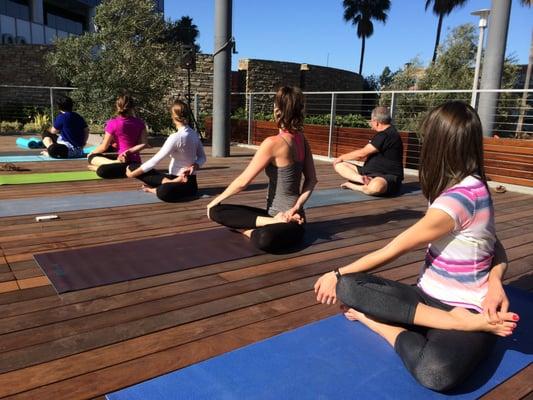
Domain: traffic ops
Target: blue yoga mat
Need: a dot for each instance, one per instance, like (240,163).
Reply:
(328,197)
(45,205)
(330,359)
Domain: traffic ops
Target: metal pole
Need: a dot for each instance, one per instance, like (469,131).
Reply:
(51,105)
(250,117)
(483,15)
(333,110)
(221,78)
(478,65)
(493,63)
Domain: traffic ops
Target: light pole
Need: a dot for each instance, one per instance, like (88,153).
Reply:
(483,15)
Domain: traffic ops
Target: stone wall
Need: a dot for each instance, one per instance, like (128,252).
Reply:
(267,76)
(23,65)
(201,83)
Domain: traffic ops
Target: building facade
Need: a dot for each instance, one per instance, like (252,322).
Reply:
(40,21)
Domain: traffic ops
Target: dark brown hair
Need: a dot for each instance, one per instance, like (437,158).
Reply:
(289,105)
(180,112)
(452,148)
(124,105)
(65,103)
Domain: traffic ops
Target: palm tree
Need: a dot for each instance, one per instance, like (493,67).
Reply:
(523,107)
(184,31)
(441,8)
(361,13)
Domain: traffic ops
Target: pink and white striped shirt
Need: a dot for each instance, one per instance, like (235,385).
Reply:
(456,268)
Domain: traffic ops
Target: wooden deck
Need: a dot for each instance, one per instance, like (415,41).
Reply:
(91,342)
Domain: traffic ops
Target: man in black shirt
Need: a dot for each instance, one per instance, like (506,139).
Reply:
(382,171)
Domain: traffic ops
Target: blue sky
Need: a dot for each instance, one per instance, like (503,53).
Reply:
(314,32)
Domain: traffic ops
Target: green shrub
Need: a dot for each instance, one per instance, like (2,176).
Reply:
(10,127)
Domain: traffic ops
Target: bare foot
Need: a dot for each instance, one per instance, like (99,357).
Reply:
(388,332)
(148,189)
(92,167)
(478,322)
(352,314)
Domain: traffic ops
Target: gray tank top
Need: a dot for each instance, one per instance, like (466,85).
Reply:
(284,184)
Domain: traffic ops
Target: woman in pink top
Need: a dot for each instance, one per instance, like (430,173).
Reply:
(125,136)
(446,324)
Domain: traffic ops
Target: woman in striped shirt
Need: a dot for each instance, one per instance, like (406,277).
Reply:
(446,324)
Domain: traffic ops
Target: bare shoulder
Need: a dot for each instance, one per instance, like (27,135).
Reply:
(271,142)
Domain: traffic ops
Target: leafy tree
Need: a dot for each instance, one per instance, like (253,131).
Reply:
(386,77)
(442,8)
(361,13)
(453,69)
(126,52)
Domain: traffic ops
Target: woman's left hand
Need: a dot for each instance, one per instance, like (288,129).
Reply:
(129,172)
(495,301)
(326,288)
(211,205)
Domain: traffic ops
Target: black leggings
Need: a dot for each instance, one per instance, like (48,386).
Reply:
(55,150)
(271,238)
(110,171)
(438,359)
(169,192)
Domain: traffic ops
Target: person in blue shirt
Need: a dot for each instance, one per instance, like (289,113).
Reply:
(69,133)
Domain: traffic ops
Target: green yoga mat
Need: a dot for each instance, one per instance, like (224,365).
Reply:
(22,179)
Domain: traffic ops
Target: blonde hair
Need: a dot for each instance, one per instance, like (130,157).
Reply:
(180,112)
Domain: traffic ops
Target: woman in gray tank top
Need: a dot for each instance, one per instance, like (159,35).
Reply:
(286,158)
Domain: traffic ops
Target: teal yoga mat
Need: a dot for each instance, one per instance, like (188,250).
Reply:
(40,157)
(30,143)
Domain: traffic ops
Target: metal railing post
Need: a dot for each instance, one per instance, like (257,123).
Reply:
(250,116)
(332,121)
(51,105)
(196,106)
(392,106)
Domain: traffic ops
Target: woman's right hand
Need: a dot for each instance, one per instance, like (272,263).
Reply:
(326,288)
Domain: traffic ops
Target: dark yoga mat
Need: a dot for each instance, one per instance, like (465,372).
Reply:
(331,359)
(70,270)
(76,269)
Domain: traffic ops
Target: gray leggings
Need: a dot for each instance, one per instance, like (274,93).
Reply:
(438,359)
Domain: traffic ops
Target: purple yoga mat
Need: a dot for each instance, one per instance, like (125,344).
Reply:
(77,269)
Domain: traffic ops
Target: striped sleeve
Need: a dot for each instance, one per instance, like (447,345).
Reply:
(459,204)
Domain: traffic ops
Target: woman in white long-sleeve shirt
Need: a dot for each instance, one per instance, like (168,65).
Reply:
(186,155)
